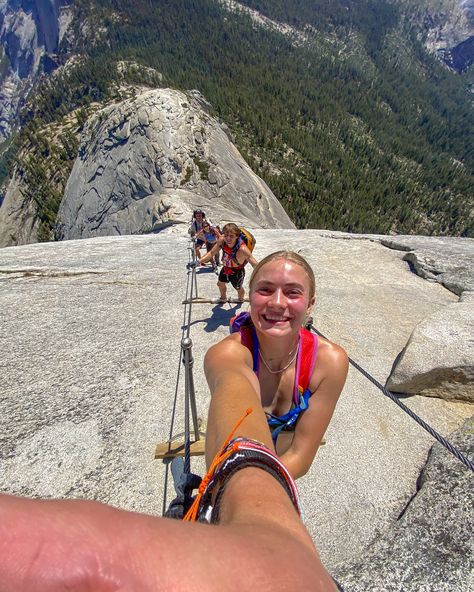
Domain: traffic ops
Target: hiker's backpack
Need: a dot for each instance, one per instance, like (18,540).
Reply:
(245,237)
(230,254)
(248,239)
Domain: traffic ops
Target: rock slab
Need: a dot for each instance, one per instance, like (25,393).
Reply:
(147,162)
(90,340)
(430,548)
(438,359)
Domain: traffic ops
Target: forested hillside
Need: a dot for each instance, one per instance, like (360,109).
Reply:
(348,119)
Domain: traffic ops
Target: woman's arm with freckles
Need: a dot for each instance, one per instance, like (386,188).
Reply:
(233,386)
(331,370)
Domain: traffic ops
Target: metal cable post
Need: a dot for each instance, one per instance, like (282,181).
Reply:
(194,279)
(190,399)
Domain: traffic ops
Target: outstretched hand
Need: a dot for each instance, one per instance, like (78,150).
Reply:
(57,545)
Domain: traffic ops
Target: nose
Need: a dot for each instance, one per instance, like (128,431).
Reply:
(278,298)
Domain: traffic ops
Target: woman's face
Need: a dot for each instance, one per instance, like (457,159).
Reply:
(280,298)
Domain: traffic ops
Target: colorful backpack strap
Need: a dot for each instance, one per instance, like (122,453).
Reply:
(248,338)
(305,362)
(240,320)
(242,323)
(235,250)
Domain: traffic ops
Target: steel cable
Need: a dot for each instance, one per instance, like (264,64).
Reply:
(187,353)
(441,439)
(191,283)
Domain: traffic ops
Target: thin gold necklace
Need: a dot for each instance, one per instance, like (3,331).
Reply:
(282,369)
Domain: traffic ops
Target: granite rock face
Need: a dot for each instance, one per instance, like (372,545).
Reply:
(30,32)
(447,260)
(430,547)
(90,340)
(438,359)
(146,163)
(18,218)
(448,29)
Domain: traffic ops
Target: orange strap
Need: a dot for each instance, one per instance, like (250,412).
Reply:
(191,514)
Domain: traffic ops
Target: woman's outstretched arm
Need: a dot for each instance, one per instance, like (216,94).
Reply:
(234,388)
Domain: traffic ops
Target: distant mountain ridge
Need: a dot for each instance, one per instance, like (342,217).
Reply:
(335,105)
(448,30)
(30,34)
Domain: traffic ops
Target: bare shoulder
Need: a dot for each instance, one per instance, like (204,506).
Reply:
(244,250)
(227,351)
(330,350)
(228,358)
(331,358)
(330,369)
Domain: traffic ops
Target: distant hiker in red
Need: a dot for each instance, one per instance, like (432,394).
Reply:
(295,376)
(237,245)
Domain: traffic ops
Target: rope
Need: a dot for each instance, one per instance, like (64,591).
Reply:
(441,439)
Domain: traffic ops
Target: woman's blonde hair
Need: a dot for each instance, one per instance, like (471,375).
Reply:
(287,256)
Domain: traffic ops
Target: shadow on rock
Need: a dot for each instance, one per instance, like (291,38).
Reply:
(220,317)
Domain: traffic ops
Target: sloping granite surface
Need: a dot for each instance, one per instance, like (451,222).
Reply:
(90,345)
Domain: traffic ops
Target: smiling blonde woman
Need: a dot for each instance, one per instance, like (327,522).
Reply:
(294,375)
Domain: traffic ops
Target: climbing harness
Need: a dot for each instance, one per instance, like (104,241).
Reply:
(441,439)
(305,359)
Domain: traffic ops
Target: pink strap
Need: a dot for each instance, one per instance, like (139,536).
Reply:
(309,343)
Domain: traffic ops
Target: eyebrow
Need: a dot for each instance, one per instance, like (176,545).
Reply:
(265,283)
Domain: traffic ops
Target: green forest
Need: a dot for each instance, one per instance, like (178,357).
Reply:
(351,123)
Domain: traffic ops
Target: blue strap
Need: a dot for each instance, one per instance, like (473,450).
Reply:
(288,420)
(256,359)
(236,248)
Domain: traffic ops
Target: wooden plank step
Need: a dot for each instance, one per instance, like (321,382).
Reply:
(213,301)
(172,449)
